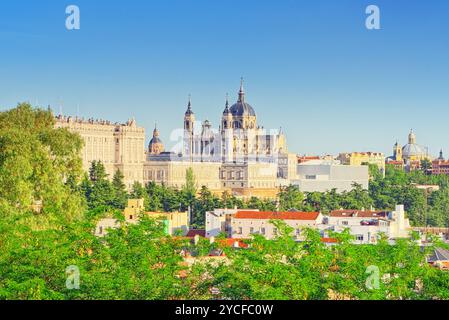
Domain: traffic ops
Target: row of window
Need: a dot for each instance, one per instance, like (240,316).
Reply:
(232,175)
(155,175)
(263,230)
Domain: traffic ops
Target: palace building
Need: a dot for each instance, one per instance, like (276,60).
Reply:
(117,146)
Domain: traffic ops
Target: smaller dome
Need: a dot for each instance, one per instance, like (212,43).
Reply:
(156,146)
(155,140)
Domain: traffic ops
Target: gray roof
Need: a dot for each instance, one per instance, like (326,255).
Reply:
(413,150)
(155,140)
(242,109)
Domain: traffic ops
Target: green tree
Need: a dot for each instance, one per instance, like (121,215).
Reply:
(426,166)
(36,161)
(120,193)
(187,196)
(97,171)
(154,197)
(290,198)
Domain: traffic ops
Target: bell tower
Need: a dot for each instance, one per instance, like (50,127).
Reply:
(397,152)
(227,133)
(189,122)
(226,121)
(189,117)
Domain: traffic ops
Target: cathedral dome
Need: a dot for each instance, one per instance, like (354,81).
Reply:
(241,108)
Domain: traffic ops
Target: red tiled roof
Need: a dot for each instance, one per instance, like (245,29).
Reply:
(192,233)
(329,240)
(394,162)
(229,242)
(358,213)
(269,215)
(307,158)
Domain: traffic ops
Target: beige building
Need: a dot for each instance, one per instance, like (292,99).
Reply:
(166,169)
(360,158)
(134,209)
(249,175)
(174,222)
(117,146)
(244,224)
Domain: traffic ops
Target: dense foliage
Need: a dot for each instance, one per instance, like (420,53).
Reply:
(40,247)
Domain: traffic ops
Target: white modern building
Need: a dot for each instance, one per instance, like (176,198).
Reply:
(325,175)
(218,222)
(367,226)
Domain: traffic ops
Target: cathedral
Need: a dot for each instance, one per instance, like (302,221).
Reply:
(239,156)
(238,139)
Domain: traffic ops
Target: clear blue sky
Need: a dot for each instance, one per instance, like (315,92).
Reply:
(309,66)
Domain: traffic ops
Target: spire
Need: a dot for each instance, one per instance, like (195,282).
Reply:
(242,91)
(226,110)
(441,155)
(189,106)
(155,131)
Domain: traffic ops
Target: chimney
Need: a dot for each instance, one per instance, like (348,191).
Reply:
(212,240)
(196,239)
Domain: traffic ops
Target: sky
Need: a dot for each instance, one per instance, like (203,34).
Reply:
(310,67)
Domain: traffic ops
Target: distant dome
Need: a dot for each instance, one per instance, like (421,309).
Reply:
(156,146)
(410,150)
